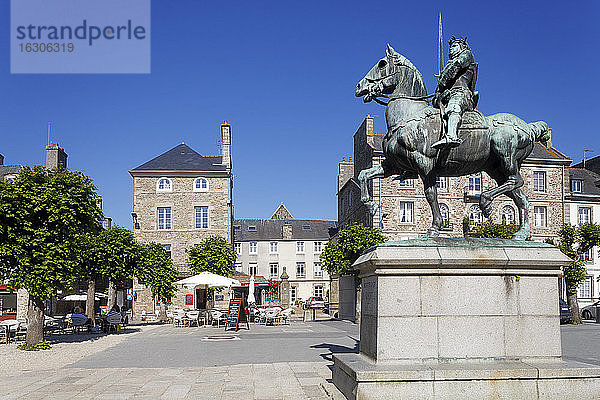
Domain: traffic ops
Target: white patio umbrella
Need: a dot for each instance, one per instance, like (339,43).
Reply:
(82,297)
(207,280)
(251,298)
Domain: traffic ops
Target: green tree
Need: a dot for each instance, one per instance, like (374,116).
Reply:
(44,216)
(115,255)
(214,255)
(339,255)
(156,270)
(488,229)
(574,242)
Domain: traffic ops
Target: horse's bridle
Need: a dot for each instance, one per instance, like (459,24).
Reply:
(393,69)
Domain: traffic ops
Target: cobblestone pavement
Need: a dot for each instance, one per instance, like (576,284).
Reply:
(293,380)
(266,362)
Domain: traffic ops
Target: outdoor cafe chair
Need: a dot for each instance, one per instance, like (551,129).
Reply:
(272,315)
(179,318)
(286,315)
(218,317)
(77,321)
(193,317)
(114,321)
(170,316)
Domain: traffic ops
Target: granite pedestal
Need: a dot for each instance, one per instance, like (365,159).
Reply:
(461,318)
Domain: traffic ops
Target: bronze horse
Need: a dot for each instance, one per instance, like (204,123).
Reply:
(496,144)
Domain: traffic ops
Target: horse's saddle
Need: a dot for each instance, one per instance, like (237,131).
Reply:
(473,120)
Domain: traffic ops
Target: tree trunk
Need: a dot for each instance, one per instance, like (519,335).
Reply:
(162,315)
(112,295)
(90,309)
(35,321)
(573,304)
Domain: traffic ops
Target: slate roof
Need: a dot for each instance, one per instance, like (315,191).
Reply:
(182,158)
(590,180)
(245,278)
(271,229)
(593,164)
(542,152)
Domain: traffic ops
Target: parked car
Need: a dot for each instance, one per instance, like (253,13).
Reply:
(314,302)
(565,312)
(589,312)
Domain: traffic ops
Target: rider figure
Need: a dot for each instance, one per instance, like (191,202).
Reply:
(455,89)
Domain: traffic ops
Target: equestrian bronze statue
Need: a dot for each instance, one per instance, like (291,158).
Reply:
(496,144)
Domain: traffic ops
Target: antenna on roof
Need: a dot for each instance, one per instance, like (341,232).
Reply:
(585,151)
(49,130)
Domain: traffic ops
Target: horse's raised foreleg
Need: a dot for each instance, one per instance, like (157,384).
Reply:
(486,200)
(363,178)
(429,183)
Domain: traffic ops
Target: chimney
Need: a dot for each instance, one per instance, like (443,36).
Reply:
(55,156)
(286,231)
(226,143)
(1,159)
(369,124)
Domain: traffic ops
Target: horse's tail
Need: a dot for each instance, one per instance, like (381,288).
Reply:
(540,131)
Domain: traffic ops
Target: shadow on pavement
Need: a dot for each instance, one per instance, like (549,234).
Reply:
(336,348)
(84,336)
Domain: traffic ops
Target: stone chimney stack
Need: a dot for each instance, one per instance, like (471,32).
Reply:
(226,144)
(345,172)
(55,156)
(1,159)
(286,231)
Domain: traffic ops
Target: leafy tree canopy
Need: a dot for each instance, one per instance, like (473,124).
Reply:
(44,217)
(488,229)
(116,253)
(339,255)
(214,255)
(156,269)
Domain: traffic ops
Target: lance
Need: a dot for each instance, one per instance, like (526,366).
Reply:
(440,49)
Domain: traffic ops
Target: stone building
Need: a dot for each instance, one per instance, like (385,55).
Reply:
(179,199)
(582,205)
(404,213)
(270,247)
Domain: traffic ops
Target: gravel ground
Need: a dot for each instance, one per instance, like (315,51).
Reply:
(66,349)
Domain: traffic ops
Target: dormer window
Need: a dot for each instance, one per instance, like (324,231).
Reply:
(163,185)
(252,228)
(577,185)
(200,185)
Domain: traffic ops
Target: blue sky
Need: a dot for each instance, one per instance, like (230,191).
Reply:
(283,74)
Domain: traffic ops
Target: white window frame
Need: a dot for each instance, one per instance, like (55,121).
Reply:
(201,180)
(321,289)
(442,183)
(251,267)
(204,218)
(512,213)
(318,246)
(238,248)
(252,247)
(299,247)
(584,289)
(584,211)
(164,188)
(406,183)
(167,223)
(406,211)
(539,181)
(475,214)
(276,269)
(588,256)
(238,266)
(577,185)
(540,216)
(303,274)
(475,184)
(293,293)
(318,270)
(273,247)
